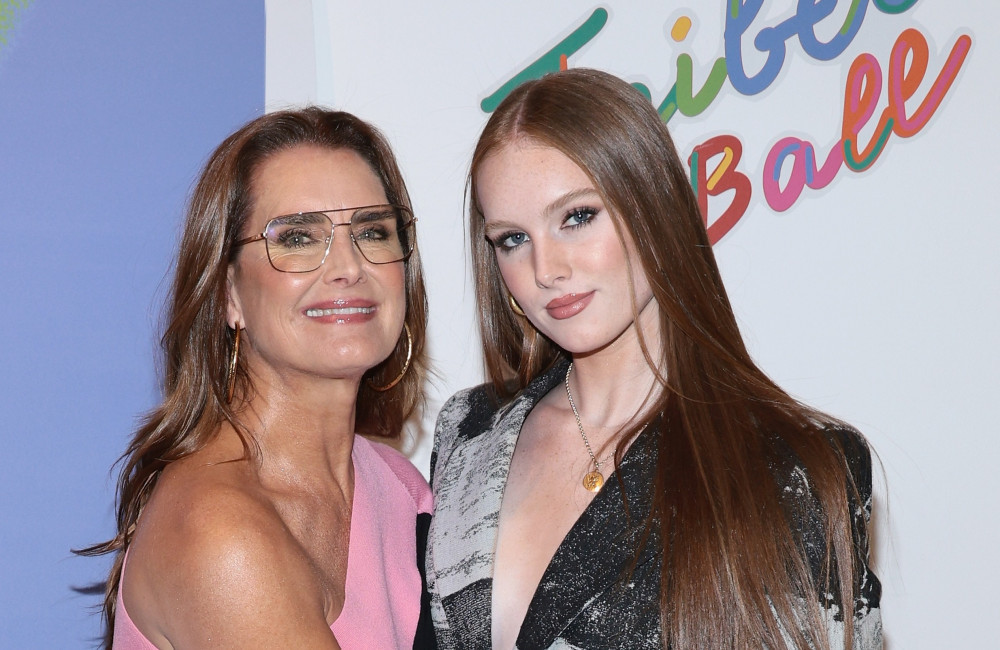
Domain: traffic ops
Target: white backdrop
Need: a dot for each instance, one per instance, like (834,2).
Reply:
(873,296)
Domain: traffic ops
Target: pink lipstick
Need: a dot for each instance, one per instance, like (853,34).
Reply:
(569,305)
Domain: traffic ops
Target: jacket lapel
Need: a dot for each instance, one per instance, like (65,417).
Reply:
(469,492)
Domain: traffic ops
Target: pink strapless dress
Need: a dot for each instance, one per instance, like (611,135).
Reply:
(383,586)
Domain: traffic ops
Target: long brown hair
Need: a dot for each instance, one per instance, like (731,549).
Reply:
(735,573)
(197,343)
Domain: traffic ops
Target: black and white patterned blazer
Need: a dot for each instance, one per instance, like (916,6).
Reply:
(582,600)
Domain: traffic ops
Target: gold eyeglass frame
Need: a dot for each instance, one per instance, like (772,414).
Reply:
(333,229)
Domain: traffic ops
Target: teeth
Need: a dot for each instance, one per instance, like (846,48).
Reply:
(339,311)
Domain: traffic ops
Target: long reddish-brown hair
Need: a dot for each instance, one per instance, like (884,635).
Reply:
(197,342)
(735,573)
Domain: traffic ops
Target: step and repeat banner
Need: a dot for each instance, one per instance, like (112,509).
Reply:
(843,154)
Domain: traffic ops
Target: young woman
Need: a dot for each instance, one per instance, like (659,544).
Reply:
(628,478)
(251,514)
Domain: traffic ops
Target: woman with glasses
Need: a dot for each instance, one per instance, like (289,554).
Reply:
(251,514)
(628,478)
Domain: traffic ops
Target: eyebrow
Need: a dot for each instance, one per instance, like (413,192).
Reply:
(570,197)
(558,203)
(373,213)
(299,218)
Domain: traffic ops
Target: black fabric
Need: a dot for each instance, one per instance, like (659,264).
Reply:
(471,628)
(601,589)
(424,639)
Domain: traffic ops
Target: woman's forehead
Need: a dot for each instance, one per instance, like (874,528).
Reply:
(310,177)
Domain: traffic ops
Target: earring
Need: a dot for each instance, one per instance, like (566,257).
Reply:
(513,304)
(233,358)
(406,366)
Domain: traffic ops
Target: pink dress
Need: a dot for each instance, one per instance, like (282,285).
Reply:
(383,587)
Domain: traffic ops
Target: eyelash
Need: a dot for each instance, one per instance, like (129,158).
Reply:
(584,216)
(587,213)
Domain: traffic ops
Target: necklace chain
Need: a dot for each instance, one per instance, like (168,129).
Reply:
(593,480)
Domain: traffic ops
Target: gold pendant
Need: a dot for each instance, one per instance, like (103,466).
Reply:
(593,481)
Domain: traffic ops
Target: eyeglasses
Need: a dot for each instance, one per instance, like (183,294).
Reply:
(299,243)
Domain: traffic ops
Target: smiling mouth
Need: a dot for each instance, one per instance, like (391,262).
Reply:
(339,311)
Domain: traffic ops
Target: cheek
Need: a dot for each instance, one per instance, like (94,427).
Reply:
(610,253)
(399,279)
(612,260)
(513,271)
(270,296)
(640,283)
(393,281)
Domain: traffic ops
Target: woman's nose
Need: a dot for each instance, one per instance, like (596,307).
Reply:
(551,263)
(343,259)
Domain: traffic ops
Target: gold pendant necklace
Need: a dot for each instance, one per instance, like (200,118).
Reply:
(594,480)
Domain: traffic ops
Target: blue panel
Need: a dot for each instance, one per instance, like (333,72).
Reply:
(107,111)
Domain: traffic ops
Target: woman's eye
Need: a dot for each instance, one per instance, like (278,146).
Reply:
(580,217)
(372,233)
(509,241)
(295,238)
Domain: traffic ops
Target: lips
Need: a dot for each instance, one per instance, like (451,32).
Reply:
(568,305)
(339,311)
(342,311)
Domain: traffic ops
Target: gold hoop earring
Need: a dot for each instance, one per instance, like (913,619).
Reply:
(406,366)
(513,304)
(233,358)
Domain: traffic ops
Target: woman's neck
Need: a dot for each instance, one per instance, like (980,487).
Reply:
(613,386)
(304,429)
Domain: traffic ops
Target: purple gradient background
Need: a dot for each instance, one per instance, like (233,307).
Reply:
(107,111)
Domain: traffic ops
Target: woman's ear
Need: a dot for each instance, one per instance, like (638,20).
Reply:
(234,311)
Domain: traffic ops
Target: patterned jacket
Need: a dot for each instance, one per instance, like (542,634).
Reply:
(582,600)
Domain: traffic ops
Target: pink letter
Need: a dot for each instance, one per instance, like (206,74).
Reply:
(904,82)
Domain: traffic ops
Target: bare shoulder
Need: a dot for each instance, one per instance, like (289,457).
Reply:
(212,563)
